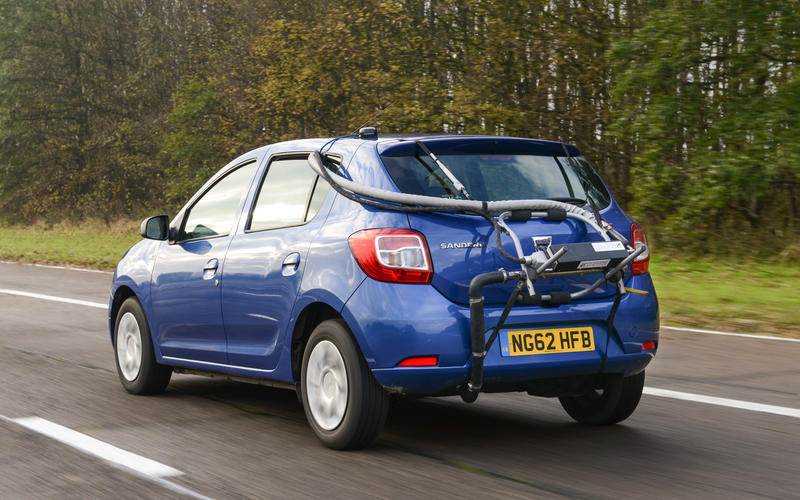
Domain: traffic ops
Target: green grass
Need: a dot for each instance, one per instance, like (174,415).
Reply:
(92,245)
(751,297)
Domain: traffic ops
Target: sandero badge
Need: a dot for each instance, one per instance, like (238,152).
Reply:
(460,245)
(360,268)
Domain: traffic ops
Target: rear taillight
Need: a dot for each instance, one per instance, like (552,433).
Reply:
(641,263)
(393,255)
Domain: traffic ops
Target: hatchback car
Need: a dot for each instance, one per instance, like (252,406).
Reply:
(271,274)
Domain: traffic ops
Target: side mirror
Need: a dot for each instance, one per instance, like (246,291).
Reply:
(155,228)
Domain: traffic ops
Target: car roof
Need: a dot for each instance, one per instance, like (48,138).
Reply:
(404,144)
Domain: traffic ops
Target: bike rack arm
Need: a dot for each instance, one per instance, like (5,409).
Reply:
(477,327)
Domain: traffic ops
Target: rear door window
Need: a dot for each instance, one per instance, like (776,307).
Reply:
(290,194)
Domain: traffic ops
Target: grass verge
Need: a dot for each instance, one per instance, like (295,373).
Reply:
(758,297)
(93,245)
(749,297)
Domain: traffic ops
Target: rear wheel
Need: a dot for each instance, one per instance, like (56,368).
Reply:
(613,402)
(344,404)
(134,356)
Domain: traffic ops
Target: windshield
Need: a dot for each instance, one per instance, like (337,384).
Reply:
(495,177)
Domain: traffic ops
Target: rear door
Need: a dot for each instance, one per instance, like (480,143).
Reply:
(186,286)
(462,245)
(264,264)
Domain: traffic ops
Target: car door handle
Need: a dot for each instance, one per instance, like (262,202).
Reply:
(290,264)
(210,269)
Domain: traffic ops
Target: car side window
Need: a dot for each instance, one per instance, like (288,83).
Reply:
(290,195)
(214,213)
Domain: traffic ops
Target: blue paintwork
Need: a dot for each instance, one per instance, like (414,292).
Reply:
(186,317)
(244,324)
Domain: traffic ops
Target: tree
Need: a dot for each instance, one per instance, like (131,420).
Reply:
(708,93)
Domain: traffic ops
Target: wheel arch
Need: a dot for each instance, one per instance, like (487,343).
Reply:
(312,315)
(121,294)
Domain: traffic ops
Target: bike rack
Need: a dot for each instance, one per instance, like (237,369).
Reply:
(535,266)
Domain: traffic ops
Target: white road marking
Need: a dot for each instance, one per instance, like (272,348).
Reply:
(730,403)
(730,334)
(122,459)
(49,266)
(53,298)
(100,449)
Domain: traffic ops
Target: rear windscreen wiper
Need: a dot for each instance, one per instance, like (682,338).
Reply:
(569,199)
(441,179)
(453,179)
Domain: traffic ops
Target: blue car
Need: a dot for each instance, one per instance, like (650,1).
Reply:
(362,268)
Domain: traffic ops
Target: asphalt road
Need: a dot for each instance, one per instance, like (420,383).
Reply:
(233,440)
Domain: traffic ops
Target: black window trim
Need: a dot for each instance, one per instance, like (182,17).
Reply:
(589,166)
(290,155)
(199,196)
(570,190)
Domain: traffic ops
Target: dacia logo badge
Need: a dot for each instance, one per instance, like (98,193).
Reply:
(450,245)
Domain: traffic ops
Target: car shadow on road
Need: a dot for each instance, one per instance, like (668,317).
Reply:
(514,438)
(512,423)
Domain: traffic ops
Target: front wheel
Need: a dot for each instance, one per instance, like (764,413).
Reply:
(344,404)
(609,404)
(136,362)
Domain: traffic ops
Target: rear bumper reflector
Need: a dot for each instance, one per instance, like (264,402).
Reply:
(418,361)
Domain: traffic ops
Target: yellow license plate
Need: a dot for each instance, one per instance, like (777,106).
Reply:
(550,341)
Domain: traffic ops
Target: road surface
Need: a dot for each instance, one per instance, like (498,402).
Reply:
(722,420)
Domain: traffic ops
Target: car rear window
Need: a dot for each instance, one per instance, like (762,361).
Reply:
(493,177)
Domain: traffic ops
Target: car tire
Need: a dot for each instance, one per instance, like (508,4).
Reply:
(133,352)
(618,400)
(344,404)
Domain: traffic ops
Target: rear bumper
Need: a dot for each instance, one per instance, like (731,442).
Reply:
(392,322)
(447,379)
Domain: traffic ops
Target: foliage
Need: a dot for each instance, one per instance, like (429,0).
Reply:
(119,108)
(193,147)
(709,94)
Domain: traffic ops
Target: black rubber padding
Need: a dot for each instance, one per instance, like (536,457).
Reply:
(556,214)
(520,215)
(558,298)
(552,299)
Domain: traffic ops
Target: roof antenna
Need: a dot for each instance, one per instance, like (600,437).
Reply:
(366,132)
(362,132)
